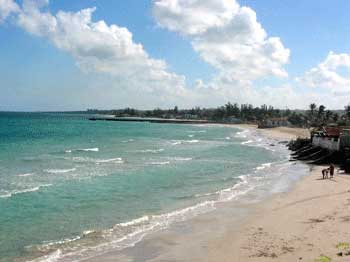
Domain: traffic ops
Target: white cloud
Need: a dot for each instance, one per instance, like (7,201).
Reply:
(225,35)
(328,73)
(228,37)
(7,7)
(98,47)
(194,16)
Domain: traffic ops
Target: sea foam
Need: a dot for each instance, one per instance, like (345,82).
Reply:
(117,160)
(8,194)
(96,149)
(181,158)
(160,163)
(25,175)
(180,142)
(263,166)
(59,171)
(154,151)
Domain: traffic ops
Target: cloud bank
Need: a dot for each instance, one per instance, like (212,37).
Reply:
(223,33)
(98,47)
(7,7)
(226,35)
(333,73)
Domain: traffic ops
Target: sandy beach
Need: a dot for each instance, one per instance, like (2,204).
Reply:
(301,225)
(307,223)
(278,133)
(310,221)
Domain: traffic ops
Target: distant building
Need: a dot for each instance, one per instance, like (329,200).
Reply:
(332,138)
(191,116)
(274,122)
(233,120)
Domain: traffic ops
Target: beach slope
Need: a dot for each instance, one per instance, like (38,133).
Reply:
(301,225)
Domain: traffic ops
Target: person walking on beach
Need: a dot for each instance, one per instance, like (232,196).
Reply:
(331,170)
(324,173)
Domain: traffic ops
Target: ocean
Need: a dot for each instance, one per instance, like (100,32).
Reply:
(71,188)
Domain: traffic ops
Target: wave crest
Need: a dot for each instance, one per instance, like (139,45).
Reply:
(8,194)
(59,171)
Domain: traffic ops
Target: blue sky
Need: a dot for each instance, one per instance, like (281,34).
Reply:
(309,28)
(37,74)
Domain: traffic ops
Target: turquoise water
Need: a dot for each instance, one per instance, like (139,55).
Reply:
(71,188)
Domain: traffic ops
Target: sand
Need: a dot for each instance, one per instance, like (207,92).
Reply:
(310,220)
(280,133)
(301,225)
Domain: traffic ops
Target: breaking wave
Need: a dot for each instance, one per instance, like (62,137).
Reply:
(8,194)
(25,175)
(160,163)
(180,142)
(154,151)
(95,149)
(59,171)
(117,160)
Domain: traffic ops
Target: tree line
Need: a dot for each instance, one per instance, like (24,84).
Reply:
(231,112)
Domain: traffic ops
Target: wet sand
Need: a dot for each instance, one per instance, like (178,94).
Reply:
(301,225)
(279,133)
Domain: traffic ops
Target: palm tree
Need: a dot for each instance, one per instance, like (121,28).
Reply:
(321,110)
(312,109)
(328,115)
(347,111)
(335,117)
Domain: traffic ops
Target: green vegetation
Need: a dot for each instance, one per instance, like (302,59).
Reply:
(343,246)
(323,258)
(246,113)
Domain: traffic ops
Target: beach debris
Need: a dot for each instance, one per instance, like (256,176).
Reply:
(323,258)
(345,219)
(345,247)
(287,249)
(315,220)
(266,254)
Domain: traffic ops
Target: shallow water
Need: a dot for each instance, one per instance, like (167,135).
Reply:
(72,188)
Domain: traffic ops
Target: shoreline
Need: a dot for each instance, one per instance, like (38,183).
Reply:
(278,133)
(226,234)
(308,222)
(303,224)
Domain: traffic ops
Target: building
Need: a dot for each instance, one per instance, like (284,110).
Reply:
(332,138)
(274,122)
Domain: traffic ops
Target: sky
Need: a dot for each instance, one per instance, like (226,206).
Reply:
(73,55)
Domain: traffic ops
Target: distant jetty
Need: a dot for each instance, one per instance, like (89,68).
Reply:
(150,120)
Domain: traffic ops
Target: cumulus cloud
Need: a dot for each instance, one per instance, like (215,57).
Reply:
(230,38)
(194,17)
(98,47)
(7,7)
(333,73)
(226,35)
